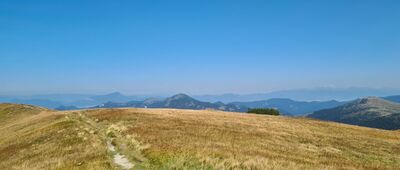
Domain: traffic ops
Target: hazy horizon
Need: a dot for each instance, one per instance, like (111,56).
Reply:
(301,94)
(197,47)
(22,93)
(3,93)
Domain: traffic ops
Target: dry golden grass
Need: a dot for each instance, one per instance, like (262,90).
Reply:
(35,138)
(187,139)
(219,140)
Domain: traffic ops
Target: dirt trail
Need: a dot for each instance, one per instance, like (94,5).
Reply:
(118,158)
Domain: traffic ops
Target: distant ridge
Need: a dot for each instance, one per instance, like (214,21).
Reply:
(114,97)
(54,101)
(184,101)
(178,101)
(395,98)
(312,94)
(370,112)
(289,106)
(62,107)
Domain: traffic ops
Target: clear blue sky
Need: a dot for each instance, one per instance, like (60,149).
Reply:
(197,46)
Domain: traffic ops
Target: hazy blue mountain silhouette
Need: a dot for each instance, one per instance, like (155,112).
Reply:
(371,112)
(179,101)
(289,106)
(395,98)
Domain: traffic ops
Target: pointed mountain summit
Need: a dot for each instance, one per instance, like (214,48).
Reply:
(371,112)
(183,101)
(180,96)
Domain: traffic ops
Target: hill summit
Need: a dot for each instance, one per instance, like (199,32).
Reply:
(181,96)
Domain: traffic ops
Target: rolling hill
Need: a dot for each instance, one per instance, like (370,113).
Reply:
(371,112)
(38,138)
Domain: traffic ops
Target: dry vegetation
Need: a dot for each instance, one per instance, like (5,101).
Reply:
(186,139)
(35,138)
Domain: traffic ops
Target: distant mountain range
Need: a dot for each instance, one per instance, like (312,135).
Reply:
(37,102)
(393,98)
(314,94)
(289,106)
(115,97)
(62,108)
(371,112)
(183,101)
(285,101)
(55,101)
(179,101)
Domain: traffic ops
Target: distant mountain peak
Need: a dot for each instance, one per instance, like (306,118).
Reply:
(115,94)
(371,101)
(180,96)
(113,97)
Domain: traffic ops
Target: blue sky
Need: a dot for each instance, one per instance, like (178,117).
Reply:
(197,47)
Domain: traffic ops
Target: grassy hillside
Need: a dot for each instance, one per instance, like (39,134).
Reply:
(187,139)
(36,138)
(370,112)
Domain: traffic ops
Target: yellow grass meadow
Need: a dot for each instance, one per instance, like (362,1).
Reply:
(38,138)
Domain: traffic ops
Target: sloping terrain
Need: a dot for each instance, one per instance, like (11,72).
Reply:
(371,112)
(186,139)
(37,138)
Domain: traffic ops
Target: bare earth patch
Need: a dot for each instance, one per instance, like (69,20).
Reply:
(119,159)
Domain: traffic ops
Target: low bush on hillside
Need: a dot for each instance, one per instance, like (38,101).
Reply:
(265,111)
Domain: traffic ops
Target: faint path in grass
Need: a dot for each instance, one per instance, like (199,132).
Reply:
(118,158)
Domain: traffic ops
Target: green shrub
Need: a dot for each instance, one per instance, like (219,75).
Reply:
(265,111)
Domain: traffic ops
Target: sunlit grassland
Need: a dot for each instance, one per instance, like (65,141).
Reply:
(221,140)
(43,139)
(37,138)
